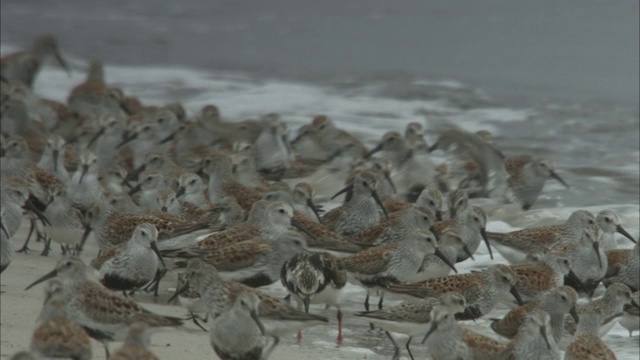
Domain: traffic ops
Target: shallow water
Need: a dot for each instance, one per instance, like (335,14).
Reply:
(592,136)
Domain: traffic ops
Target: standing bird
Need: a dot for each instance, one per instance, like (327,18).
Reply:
(24,65)
(131,265)
(315,277)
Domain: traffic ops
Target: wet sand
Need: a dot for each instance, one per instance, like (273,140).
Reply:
(19,311)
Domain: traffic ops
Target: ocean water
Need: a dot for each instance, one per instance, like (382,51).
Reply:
(587,123)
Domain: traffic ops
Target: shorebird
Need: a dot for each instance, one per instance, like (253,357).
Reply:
(557,302)
(399,224)
(393,262)
(219,295)
(329,137)
(221,184)
(93,94)
(445,339)
(191,189)
(302,196)
(271,150)
(238,333)
(149,182)
(516,245)
(409,167)
(111,227)
(532,341)
(136,344)
(609,222)
(609,306)
(544,273)
(66,225)
(414,135)
(129,266)
(470,224)
(586,259)
(315,278)
(623,267)
(482,290)
(412,318)
(631,316)
(96,309)
(191,300)
(587,343)
(527,176)
(57,335)
(449,243)
(361,211)
(84,188)
(24,65)
(52,159)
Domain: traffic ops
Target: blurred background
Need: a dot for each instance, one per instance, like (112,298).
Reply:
(517,50)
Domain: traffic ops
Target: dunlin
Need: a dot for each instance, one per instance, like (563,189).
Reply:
(66,222)
(482,290)
(93,94)
(410,168)
(516,245)
(412,318)
(238,332)
(52,159)
(219,295)
(57,335)
(609,305)
(556,302)
(136,344)
(131,265)
(361,211)
(271,150)
(546,272)
(527,176)
(447,340)
(609,222)
(470,224)
(414,135)
(399,224)
(631,318)
(190,299)
(192,190)
(315,278)
(145,192)
(24,65)
(84,188)
(318,235)
(329,137)
(533,341)
(449,243)
(221,184)
(586,259)
(587,343)
(97,309)
(624,267)
(111,227)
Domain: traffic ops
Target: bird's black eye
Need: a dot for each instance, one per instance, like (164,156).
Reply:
(591,222)
(432,203)
(564,298)
(607,219)
(68,263)
(366,184)
(281,211)
(192,182)
(429,239)
(161,120)
(322,126)
(144,233)
(505,278)
(446,316)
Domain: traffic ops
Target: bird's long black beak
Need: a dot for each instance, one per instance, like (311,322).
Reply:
(561,180)
(574,314)
(373,151)
(154,247)
(135,189)
(62,63)
(379,202)
(136,172)
(46,277)
(439,254)
(127,139)
(342,191)
(387,176)
(181,191)
(55,159)
(295,223)
(254,316)
(624,233)
(313,207)
(467,251)
(483,233)
(432,328)
(95,137)
(179,291)
(516,295)
(596,248)
(85,169)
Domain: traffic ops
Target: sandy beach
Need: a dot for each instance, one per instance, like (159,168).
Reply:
(20,309)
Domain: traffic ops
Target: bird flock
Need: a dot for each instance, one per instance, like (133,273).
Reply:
(228,207)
